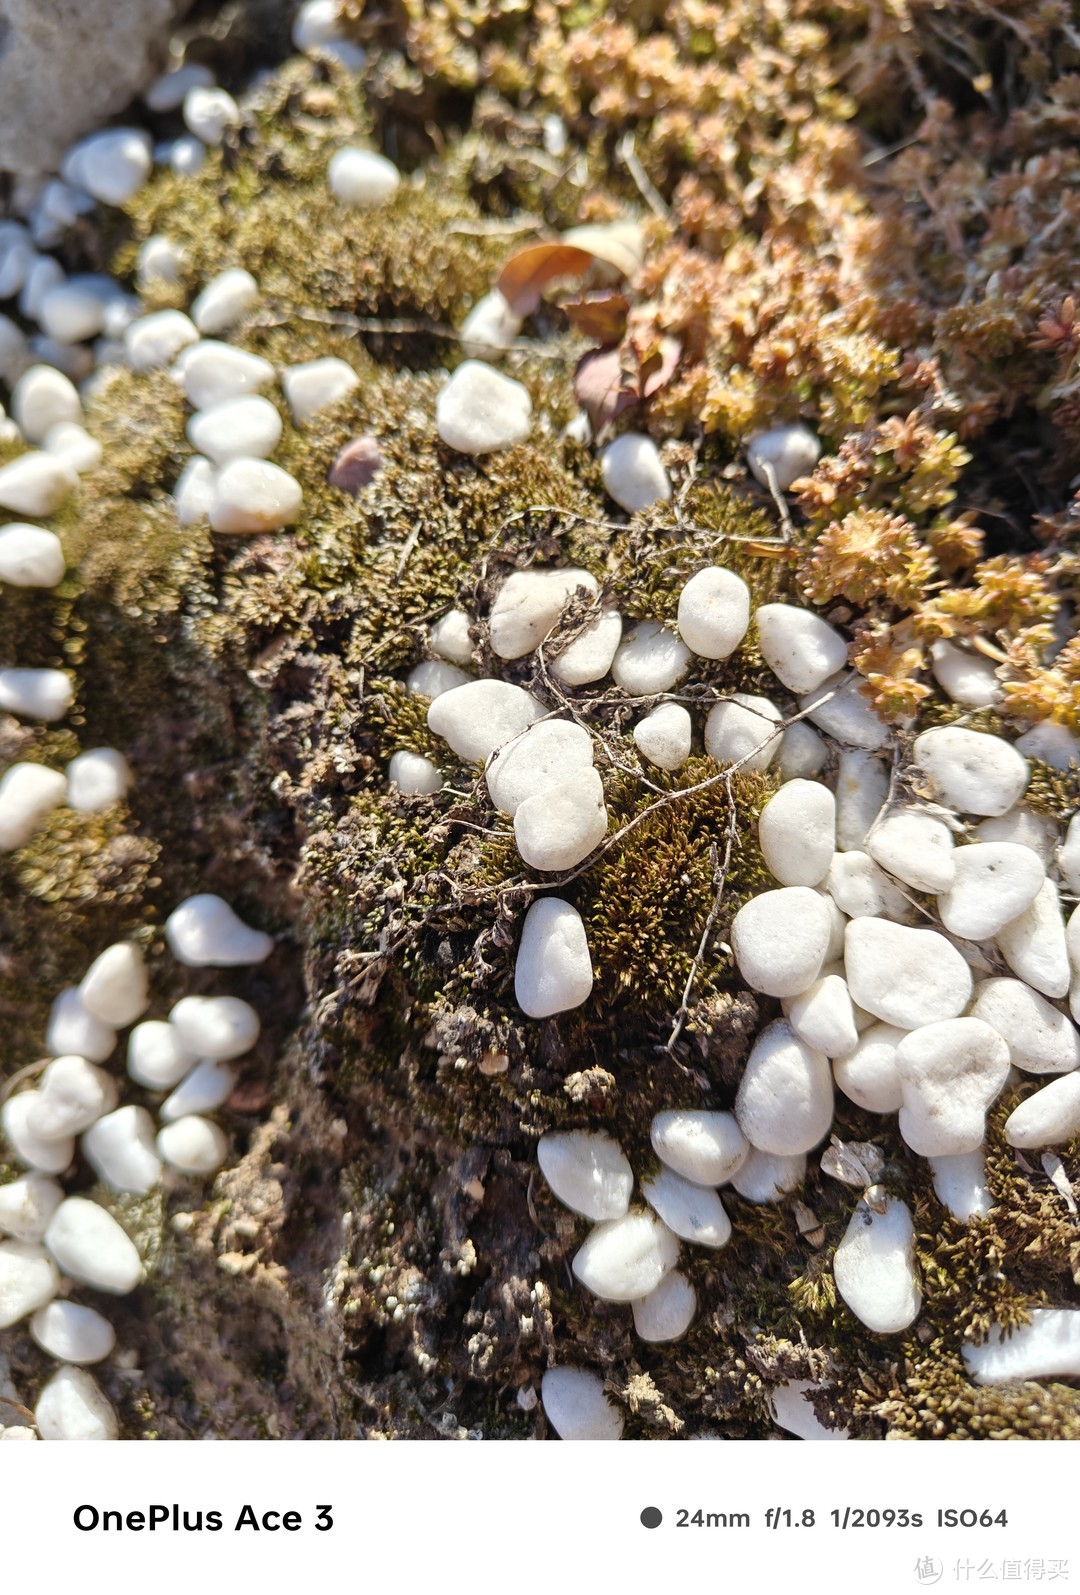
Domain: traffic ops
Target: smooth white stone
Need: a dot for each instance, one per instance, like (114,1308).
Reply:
(156,1056)
(38,694)
(824,1017)
(960,1184)
(966,677)
(254,496)
(780,940)
(89,1245)
(915,848)
(215,1027)
(480,716)
(743,731)
(97,779)
(42,273)
(244,428)
(207,1087)
(834,953)
(1068,854)
(212,372)
(784,1103)
(72,313)
(160,260)
(905,976)
(14,350)
(157,339)
(1051,743)
(210,113)
(1040,1038)
(576,1406)
(225,301)
(44,1157)
(802,752)
(633,473)
(667,1312)
(705,1147)
(73,1029)
(994,882)
(1034,946)
(479,410)
(26,1206)
(18,1431)
(587,1171)
(120,1150)
(362,179)
(560,827)
(187,156)
(112,165)
(794,1414)
(650,659)
(589,657)
(28,1279)
(553,971)
(626,1258)
(859,887)
(970,771)
(72,1407)
(1049,1117)
(490,328)
(862,786)
(449,637)
(317,29)
(1047,1348)
(693,1212)
(30,556)
(28,795)
(71,1096)
(797,833)
(867,1074)
(800,648)
(874,1268)
(120,309)
(73,1334)
(193,1145)
(16,257)
(950,1073)
(167,92)
(846,714)
(315,384)
(413,775)
(73,446)
(769,1176)
(36,484)
(62,203)
(664,736)
(783,452)
(116,987)
(42,397)
(545,756)
(714,612)
(528,605)
(432,677)
(194,491)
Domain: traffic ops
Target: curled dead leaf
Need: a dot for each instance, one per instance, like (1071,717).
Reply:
(600,316)
(528,272)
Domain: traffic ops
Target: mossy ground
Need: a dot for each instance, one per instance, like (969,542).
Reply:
(384,1258)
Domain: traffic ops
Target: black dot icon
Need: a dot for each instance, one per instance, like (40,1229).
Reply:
(652,1517)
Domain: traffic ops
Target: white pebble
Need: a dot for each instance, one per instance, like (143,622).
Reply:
(769,1176)
(120,1150)
(803,752)
(160,260)
(314,384)
(254,496)
(966,677)
(780,939)
(72,1407)
(862,785)
(796,1416)
(834,953)
(248,427)
(797,833)
(36,484)
(667,1312)
(587,1171)
(576,1406)
(41,398)
(30,556)
(210,113)
(432,677)
(480,716)
(867,1074)
(824,1017)
(112,165)
(1046,1348)
(874,1268)
(363,179)
(72,1028)
(915,848)
(842,711)
(16,257)
(42,273)
(970,771)
(633,473)
(225,301)
(589,657)
(194,491)
(116,987)
(858,886)
(449,637)
(905,976)
(317,29)
(714,612)
(1049,1117)
(783,453)
(1068,855)
(1051,743)
(73,1334)
(212,372)
(561,826)
(650,659)
(693,1212)
(705,1147)
(994,882)
(97,779)
(414,775)
(156,1056)
(157,339)
(490,328)
(72,1094)
(479,410)
(215,1027)
(743,731)
(89,1245)
(73,446)
(547,754)
(626,1258)
(553,971)
(960,1184)
(950,1073)
(28,1279)
(18,1431)
(1034,946)
(41,1155)
(785,1099)
(528,605)
(664,736)
(26,1206)
(14,350)
(1025,827)
(38,694)
(193,1145)
(72,312)
(167,92)
(28,795)
(187,155)
(1040,1038)
(208,1086)
(800,648)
